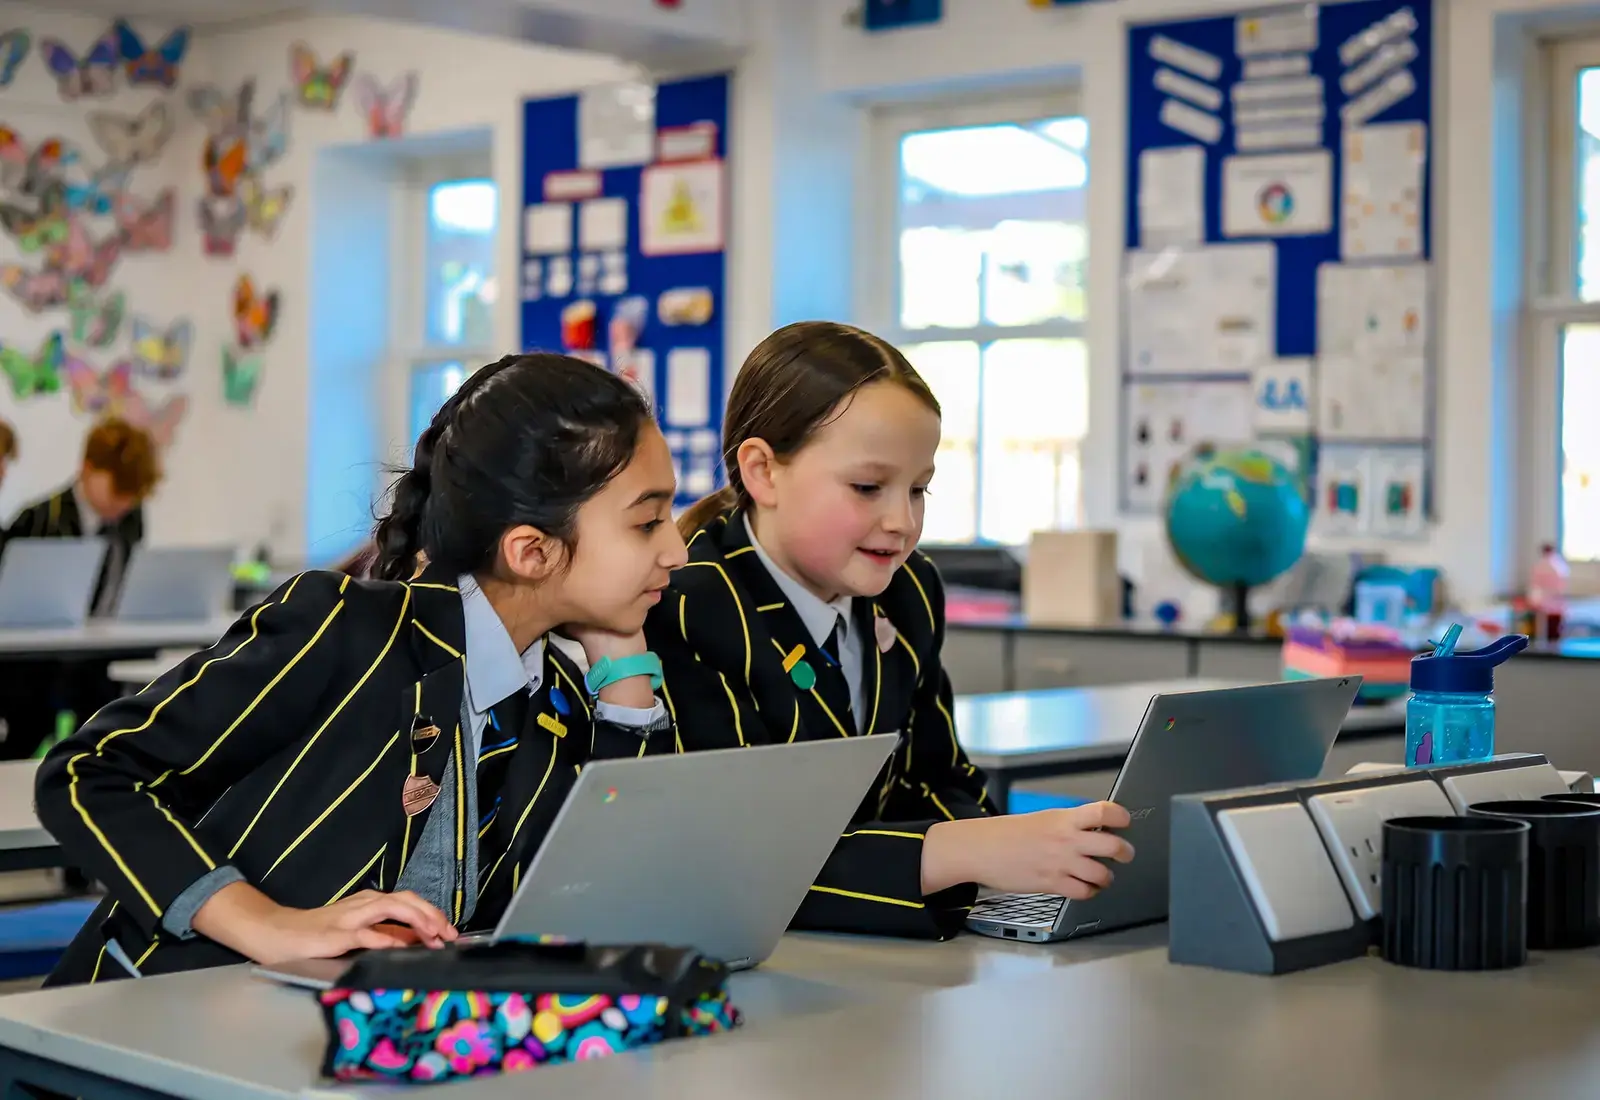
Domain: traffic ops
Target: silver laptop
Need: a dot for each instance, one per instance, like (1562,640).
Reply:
(1188,742)
(48,582)
(710,850)
(176,584)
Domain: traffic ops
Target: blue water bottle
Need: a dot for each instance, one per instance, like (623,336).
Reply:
(1450,715)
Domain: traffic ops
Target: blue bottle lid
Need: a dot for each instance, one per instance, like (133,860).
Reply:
(1470,673)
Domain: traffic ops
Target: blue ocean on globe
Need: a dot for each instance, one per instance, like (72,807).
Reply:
(1236,518)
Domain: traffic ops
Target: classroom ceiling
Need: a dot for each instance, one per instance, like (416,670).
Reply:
(196,13)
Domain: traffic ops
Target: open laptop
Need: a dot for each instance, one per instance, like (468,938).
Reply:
(710,850)
(1188,742)
(48,582)
(176,584)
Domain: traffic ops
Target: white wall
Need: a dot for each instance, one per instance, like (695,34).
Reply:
(258,462)
(1479,62)
(50,433)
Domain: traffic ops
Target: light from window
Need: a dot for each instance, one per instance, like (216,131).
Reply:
(1588,184)
(992,251)
(460,262)
(1580,444)
(432,384)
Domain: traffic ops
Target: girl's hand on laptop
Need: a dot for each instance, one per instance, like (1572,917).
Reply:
(1049,852)
(243,918)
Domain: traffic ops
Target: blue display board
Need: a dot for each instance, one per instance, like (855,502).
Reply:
(1189,81)
(623,244)
(881,15)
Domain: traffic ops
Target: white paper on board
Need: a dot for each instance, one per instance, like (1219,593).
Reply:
(639,368)
(532,280)
(1282,395)
(1396,25)
(1381,204)
(700,480)
(558,276)
(703,442)
(603,225)
(1376,100)
(1286,30)
(1373,397)
(617,125)
(681,208)
(1396,492)
(1179,116)
(1277,195)
(1386,60)
(1374,311)
(1292,90)
(1273,68)
(1202,95)
(588,266)
(688,387)
(1166,421)
(1269,138)
(1172,196)
(1259,115)
(1169,51)
(1208,310)
(547,229)
(1341,503)
(613,283)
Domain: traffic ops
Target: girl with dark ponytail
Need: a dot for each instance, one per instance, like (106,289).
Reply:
(806,612)
(360,763)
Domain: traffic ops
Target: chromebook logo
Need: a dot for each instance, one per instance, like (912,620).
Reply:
(1275,203)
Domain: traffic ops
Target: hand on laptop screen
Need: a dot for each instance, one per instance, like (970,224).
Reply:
(1066,852)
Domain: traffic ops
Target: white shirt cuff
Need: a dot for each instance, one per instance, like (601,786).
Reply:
(632,717)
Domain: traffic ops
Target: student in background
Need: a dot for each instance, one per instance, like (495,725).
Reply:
(357,754)
(805,612)
(121,467)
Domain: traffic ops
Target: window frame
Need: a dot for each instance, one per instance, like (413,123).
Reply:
(1554,304)
(877,269)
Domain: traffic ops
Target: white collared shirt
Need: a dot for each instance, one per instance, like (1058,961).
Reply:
(820,617)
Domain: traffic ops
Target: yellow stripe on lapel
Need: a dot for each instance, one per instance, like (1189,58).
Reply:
(483,885)
(355,878)
(426,633)
(736,553)
(405,607)
(877,683)
(868,897)
(916,665)
(461,824)
(744,625)
(794,730)
(262,694)
(770,607)
(933,623)
(439,587)
(821,702)
(323,816)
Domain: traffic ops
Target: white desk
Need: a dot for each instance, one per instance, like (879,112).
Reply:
(24,844)
(136,673)
(109,639)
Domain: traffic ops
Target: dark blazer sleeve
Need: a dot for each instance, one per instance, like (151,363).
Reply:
(122,794)
(872,881)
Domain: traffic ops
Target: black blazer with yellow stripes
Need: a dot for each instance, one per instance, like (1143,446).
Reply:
(723,632)
(283,750)
(56,517)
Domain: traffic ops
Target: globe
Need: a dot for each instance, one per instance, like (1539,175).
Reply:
(1236,519)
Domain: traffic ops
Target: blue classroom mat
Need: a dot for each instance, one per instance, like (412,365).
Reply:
(32,937)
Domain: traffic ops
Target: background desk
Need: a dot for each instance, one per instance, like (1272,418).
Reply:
(108,639)
(1022,735)
(24,844)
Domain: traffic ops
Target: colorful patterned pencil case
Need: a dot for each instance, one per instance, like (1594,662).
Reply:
(382,1026)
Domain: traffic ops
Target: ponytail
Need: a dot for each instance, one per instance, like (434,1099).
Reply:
(706,509)
(398,536)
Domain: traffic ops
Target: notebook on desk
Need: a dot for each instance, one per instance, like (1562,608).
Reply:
(48,582)
(710,850)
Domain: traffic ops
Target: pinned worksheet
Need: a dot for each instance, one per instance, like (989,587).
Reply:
(1277,195)
(1172,185)
(1382,191)
(688,387)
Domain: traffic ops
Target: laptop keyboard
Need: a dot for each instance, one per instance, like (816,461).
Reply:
(1031,909)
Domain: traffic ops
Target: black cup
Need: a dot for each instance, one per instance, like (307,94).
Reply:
(1563,869)
(1455,892)
(1587,798)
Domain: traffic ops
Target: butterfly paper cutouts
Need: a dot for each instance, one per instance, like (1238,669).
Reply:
(146,228)
(318,86)
(226,154)
(32,171)
(97,392)
(386,109)
(269,135)
(13,48)
(161,353)
(82,258)
(95,322)
(221,222)
(36,374)
(241,374)
(37,224)
(150,64)
(132,139)
(36,290)
(264,208)
(161,422)
(90,75)
(96,193)
(254,315)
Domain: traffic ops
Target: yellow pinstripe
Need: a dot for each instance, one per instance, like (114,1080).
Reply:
(521,821)
(98,959)
(54,519)
(677,737)
(794,730)
(683,627)
(933,623)
(916,665)
(868,897)
(394,632)
(337,802)
(770,607)
(290,590)
(247,711)
(738,726)
(736,553)
(355,878)
(882,832)
(877,688)
(744,625)
(178,825)
(950,724)
(461,825)
(583,696)
(147,953)
(935,798)
(429,634)
(405,841)
(72,764)
(820,701)
(440,587)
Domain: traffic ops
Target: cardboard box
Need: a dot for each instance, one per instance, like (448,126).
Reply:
(1071,579)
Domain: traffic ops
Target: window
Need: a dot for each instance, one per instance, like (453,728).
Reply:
(457,294)
(1567,318)
(985,259)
